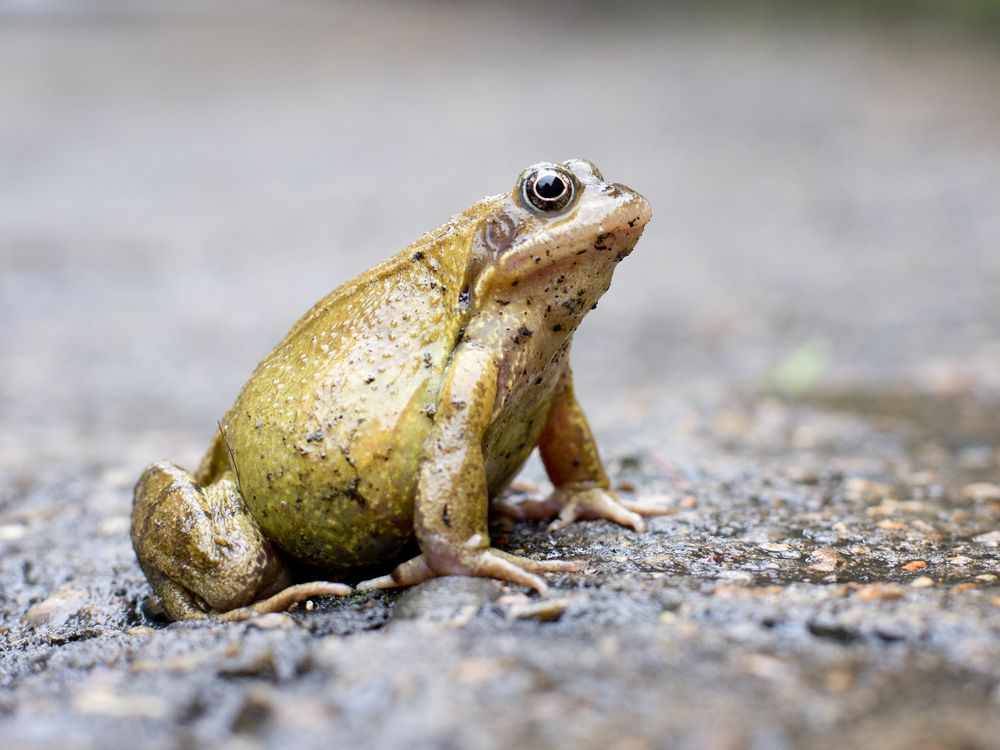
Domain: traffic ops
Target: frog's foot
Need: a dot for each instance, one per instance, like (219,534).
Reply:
(487,563)
(577,501)
(285,599)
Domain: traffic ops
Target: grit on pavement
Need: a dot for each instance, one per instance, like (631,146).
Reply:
(802,358)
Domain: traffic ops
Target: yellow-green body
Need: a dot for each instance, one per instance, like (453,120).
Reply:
(399,404)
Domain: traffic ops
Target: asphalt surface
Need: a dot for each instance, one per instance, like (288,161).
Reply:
(802,357)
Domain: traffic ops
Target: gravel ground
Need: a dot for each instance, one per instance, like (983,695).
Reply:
(802,357)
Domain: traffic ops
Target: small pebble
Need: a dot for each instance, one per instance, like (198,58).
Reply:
(272,621)
(546,610)
(775,547)
(479,670)
(114,526)
(874,592)
(57,608)
(839,681)
(857,488)
(103,701)
(801,475)
(991,538)
(981,491)
(986,577)
(922,582)
(825,560)
(11,532)
(915,565)
(887,524)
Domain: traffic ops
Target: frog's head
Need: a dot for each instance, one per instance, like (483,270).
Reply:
(556,238)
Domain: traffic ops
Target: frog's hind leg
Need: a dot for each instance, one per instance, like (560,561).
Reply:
(582,489)
(202,552)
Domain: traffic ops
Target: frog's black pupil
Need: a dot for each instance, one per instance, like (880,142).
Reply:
(550,186)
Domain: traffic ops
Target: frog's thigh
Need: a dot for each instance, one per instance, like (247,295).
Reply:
(199,548)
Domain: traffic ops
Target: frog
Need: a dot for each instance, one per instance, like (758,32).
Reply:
(381,432)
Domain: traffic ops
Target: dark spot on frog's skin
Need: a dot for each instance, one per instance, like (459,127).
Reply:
(369,379)
(538,380)
(537,259)
(524,331)
(576,462)
(557,327)
(503,302)
(446,516)
(464,297)
(514,282)
(314,437)
(458,405)
(581,252)
(428,359)
(355,494)
(593,306)
(631,224)
(269,477)
(429,411)
(418,256)
(599,242)
(621,256)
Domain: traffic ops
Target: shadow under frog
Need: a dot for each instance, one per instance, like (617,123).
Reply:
(397,407)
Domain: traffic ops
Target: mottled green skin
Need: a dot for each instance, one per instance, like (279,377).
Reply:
(327,434)
(428,379)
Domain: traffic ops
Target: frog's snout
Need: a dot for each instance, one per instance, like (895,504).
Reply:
(633,210)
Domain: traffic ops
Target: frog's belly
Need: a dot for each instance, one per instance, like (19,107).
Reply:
(513,436)
(333,490)
(337,490)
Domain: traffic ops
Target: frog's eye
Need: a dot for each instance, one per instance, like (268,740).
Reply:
(548,189)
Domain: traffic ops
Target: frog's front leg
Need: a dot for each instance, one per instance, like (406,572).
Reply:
(452,501)
(582,489)
(203,554)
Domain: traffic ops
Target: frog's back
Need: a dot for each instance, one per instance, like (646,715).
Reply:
(327,434)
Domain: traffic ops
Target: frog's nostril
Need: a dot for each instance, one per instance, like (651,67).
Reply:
(613,189)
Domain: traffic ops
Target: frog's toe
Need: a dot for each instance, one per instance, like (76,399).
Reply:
(648,507)
(526,509)
(409,573)
(540,566)
(592,503)
(285,599)
(486,563)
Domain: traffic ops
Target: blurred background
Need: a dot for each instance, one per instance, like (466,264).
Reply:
(180,181)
